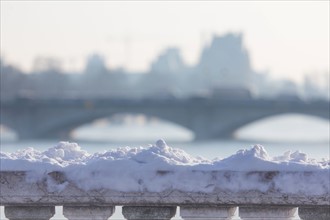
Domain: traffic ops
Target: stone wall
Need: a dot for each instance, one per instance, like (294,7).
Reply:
(25,199)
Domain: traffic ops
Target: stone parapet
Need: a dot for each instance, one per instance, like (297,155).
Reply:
(26,199)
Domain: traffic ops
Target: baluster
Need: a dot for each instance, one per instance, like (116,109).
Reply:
(314,212)
(88,212)
(207,212)
(267,212)
(29,212)
(149,212)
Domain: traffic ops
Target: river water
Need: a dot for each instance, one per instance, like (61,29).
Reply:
(278,135)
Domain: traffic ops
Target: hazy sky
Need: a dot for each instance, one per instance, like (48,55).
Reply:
(288,38)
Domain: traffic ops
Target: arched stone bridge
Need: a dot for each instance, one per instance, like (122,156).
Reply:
(207,118)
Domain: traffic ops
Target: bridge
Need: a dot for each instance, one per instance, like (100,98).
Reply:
(207,118)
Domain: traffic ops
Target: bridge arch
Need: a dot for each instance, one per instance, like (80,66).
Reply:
(286,127)
(250,118)
(131,127)
(7,133)
(65,127)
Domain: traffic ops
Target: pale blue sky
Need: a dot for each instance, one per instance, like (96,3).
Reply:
(289,38)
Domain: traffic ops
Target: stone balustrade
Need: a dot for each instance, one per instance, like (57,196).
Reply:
(24,199)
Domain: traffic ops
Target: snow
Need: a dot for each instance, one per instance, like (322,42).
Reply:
(160,167)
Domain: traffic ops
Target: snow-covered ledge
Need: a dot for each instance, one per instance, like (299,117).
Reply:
(22,199)
(150,183)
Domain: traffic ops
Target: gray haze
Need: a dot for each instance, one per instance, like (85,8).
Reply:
(224,70)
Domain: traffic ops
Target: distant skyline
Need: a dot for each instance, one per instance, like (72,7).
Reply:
(288,38)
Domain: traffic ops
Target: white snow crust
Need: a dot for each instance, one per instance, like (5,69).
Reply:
(142,169)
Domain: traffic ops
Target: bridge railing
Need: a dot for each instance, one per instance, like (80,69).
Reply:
(24,199)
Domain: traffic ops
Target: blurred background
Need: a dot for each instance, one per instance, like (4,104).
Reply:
(209,77)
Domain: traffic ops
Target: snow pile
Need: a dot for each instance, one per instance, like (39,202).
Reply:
(62,155)
(160,167)
(257,159)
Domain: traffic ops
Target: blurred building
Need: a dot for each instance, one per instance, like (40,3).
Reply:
(224,71)
(95,65)
(317,86)
(170,61)
(226,62)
